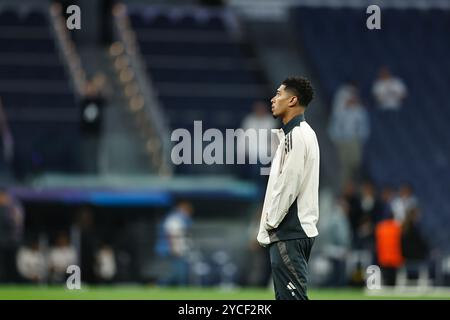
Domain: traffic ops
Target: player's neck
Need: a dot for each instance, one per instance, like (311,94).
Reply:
(292,115)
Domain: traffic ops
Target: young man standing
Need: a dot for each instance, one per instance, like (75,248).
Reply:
(291,209)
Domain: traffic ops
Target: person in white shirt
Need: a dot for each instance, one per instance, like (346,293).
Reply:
(349,129)
(291,205)
(262,122)
(61,256)
(345,91)
(389,91)
(105,266)
(32,263)
(403,202)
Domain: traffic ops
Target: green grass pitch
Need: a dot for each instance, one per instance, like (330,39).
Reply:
(155,293)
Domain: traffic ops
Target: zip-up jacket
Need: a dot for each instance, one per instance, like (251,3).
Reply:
(291,204)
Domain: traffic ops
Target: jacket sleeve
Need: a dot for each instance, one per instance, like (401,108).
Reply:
(287,182)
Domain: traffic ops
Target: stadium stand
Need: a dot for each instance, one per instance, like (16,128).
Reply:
(38,99)
(413,144)
(185,56)
(198,64)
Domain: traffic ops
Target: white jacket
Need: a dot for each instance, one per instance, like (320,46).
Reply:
(293,186)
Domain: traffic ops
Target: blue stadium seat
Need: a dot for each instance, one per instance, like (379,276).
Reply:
(35,19)
(203,76)
(9,18)
(215,23)
(32,72)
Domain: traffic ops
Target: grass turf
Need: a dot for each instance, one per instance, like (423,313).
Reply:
(156,293)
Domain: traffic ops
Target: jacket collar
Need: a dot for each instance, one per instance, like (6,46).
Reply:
(293,123)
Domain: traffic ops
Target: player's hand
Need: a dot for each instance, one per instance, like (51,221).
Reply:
(267,226)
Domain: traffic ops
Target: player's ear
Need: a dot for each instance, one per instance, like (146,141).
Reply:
(293,101)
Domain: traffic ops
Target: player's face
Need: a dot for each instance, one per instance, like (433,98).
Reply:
(280,102)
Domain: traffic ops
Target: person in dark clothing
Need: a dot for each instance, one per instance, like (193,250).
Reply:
(415,248)
(370,207)
(92,105)
(88,242)
(11,236)
(257,263)
(6,146)
(353,202)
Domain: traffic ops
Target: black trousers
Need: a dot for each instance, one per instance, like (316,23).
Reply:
(289,262)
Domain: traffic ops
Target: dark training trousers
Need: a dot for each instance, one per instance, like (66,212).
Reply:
(289,261)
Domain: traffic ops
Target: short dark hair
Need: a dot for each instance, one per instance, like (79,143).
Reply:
(301,88)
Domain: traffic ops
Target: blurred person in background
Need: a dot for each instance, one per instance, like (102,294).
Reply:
(91,108)
(349,129)
(387,196)
(403,202)
(105,264)
(257,265)
(7,145)
(388,248)
(173,244)
(32,263)
(370,207)
(389,91)
(345,92)
(11,235)
(364,211)
(87,243)
(258,119)
(415,247)
(352,199)
(337,244)
(61,256)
